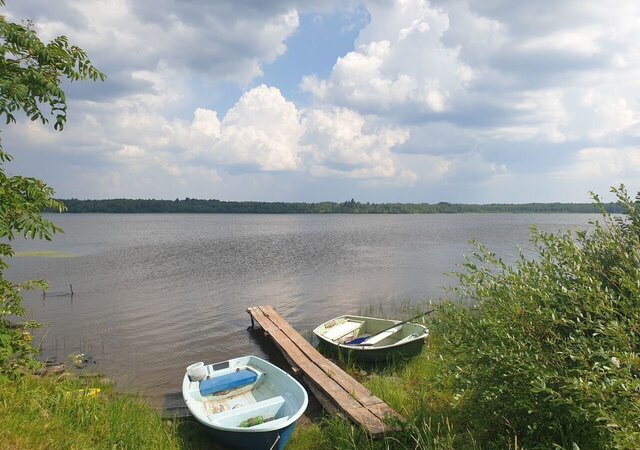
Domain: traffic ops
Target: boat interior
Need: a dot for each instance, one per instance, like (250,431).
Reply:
(234,392)
(343,329)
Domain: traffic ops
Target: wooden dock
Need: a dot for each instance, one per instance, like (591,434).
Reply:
(336,390)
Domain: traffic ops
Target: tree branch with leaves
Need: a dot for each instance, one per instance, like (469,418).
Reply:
(31,73)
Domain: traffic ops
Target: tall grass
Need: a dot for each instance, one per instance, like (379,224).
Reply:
(47,413)
(407,386)
(399,310)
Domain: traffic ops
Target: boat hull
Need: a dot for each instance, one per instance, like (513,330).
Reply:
(276,440)
(378,356)
(401,342)
(237,391)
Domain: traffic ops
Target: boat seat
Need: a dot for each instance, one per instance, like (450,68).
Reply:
(227,382)
(379,337)
(275,423)
(410,337)
(337,331)
(266,408)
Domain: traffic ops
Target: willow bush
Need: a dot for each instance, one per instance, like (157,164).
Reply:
(548,356)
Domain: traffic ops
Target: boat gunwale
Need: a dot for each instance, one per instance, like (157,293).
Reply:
(359,347)
(205,421)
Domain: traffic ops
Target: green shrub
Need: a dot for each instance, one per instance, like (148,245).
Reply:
(548,357)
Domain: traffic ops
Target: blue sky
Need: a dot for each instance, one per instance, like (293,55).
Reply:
(380,100)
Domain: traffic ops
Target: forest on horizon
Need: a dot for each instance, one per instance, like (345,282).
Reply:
(189,205)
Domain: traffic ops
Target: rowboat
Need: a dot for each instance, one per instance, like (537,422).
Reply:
(367,339)
(247,402)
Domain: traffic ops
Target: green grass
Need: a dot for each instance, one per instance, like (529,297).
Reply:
(48,413)
(408,388)
(44,254)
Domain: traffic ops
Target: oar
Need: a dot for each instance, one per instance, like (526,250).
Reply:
(362,340)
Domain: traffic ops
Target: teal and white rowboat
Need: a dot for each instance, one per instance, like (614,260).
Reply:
(248,403)
(375,340)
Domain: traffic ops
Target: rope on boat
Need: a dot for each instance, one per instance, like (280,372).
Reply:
(275,442)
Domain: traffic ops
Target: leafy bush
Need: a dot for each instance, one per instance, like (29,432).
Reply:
(21,200)
(30,80)
(548,357)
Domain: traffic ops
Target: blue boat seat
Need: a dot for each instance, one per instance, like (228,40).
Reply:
(226,382)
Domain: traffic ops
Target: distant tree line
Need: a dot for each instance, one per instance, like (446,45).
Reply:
(191,205)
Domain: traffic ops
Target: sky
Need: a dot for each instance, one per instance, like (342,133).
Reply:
(472,101)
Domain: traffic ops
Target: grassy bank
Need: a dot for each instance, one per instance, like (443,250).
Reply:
(407,386)
(48,413)
(410,389)
(546,357)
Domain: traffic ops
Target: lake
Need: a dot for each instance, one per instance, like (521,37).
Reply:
(156,292)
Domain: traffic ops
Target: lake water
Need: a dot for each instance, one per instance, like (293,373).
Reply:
(154,292)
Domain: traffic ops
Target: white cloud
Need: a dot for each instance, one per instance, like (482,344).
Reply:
(436,92)
(400,63)
(262,129)
(603,164)
(463,62)
(265,132)
(262,132)
(218,41)
(338,144)
(130,152)
(206,123)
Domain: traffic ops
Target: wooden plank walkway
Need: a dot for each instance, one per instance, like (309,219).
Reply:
(327,381)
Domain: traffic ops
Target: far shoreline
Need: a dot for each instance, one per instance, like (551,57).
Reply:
(199,206)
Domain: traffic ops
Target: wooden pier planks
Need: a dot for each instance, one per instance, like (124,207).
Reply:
(345,393)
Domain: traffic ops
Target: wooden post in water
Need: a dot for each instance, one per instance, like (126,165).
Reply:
(71,287)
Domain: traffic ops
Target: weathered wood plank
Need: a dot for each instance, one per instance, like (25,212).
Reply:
(175,413)
(327,404)
(324,378)
(294,369)
(302,361)
(351,407)
(357,391)
(384,411)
